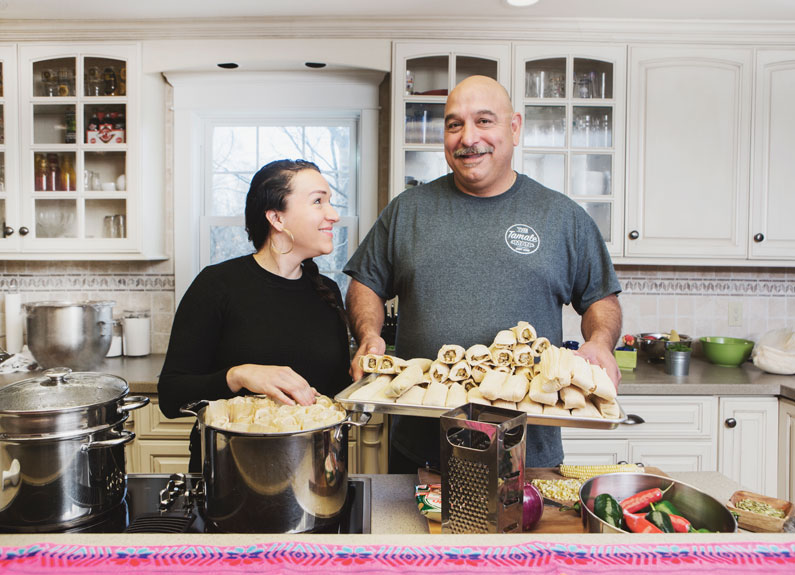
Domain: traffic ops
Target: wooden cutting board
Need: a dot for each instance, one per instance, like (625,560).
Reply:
(552,521)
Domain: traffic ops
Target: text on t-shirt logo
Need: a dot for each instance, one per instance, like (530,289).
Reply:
(522,239)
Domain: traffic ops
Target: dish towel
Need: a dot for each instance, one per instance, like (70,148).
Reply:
(313,558)
(22,361)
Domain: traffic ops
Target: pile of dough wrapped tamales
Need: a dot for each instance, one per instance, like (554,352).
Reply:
(260,414)
(504,374)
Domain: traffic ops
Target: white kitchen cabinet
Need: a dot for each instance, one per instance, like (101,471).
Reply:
(78,187)
(161,445)
(748,442)
(772,193)
(572,99)
(678,435)
(9,170)
(689,120)
(423,73)
(786,449)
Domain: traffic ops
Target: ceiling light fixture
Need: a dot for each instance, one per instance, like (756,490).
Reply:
(228,65)
(315,64)
(520,3)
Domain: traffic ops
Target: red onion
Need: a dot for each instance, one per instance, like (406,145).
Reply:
(532,507)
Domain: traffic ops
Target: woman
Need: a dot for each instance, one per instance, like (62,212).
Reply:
(266,323)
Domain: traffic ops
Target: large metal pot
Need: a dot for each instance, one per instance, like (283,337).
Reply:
(274,483)
(72,334)
(62,449)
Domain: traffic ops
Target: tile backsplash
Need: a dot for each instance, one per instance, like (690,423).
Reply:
(694,301)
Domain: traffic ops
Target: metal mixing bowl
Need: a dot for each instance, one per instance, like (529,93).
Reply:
(702,510)
(655,348)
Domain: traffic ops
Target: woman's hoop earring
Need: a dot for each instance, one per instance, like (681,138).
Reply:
(292,244)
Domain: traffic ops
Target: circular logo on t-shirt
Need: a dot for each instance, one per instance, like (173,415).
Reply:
(522,239)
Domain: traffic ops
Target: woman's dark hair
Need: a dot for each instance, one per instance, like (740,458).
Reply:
(268,191)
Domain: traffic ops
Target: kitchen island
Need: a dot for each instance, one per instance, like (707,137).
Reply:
(400,542)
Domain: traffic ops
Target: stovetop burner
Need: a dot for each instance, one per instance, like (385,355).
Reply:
(162,503)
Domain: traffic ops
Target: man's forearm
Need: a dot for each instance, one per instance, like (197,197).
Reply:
(601,322)
(365,311)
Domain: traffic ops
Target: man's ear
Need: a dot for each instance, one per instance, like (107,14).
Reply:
(516,128)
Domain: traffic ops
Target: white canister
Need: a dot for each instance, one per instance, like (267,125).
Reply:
(14,321)
(136,333)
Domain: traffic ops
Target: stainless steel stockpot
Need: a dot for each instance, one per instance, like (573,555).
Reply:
(62,449)
(274,483)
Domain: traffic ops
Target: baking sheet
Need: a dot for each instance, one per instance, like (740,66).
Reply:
(432,411)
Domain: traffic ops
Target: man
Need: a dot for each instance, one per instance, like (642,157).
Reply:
(475,252)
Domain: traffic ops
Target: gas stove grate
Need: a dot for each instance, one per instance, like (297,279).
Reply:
(161,523)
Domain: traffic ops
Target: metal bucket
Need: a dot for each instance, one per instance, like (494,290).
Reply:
(71,334)
(274,483)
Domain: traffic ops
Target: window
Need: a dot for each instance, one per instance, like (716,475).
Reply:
(239,150)
(227,127)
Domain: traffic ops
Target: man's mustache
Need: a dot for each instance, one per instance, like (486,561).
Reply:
(472,150)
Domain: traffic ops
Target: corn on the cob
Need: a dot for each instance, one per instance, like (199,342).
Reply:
(584,472)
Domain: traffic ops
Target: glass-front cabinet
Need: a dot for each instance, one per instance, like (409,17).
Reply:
(424,74)
(77,186)
(572,103)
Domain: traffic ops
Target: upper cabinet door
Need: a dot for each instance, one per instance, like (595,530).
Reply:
(688,161)
(423,74)
(572,102)
(773,188)
(9,161)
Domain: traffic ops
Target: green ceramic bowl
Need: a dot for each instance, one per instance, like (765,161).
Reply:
(726,351)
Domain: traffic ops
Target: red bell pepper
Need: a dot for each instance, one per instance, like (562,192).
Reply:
(639,524)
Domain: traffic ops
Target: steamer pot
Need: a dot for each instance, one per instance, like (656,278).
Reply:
(274,483)
(62,443)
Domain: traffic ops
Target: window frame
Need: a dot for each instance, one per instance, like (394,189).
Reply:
(202,96)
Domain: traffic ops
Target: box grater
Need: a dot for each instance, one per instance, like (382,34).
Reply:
(482,457)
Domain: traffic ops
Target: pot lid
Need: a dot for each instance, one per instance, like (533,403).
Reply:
(58,389)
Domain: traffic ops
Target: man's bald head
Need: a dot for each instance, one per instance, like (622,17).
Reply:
(483,85)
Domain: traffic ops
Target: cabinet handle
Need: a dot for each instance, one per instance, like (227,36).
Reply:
(731,423)
(7,230)
(23,231)
(633,235)
(759,238)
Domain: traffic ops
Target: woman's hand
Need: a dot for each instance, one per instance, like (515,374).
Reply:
(374,344)
(276,381)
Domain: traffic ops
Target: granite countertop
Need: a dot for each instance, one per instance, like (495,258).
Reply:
(647,379)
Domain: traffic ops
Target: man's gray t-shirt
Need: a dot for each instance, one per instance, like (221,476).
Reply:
(465,267)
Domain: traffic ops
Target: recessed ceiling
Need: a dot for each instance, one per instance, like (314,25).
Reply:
(773,10)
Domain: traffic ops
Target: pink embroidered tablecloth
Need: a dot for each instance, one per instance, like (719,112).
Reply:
(317,559)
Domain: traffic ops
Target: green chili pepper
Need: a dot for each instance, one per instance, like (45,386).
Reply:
(667,507)
(660,520)
(608,510)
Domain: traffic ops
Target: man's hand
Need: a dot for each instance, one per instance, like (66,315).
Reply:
(600,355)
(373,344)
(601,326)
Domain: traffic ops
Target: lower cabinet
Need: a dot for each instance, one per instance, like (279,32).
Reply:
(786,449)
(736,435)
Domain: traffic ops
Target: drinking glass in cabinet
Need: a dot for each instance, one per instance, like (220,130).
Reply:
(591,174)
(93,81)
(545,126)
(105,77)
(54,124)
(423,167)
(430,75)
(547,169)
(600,212)
(592,127)
(545,78)
(105,218)
(466,66)
(424,123)
(593,78)
(56,219)
(54,78)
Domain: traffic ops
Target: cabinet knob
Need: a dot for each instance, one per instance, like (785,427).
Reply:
(633,235)
(759,238)
(23,231)
(731,423)
(7,230)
